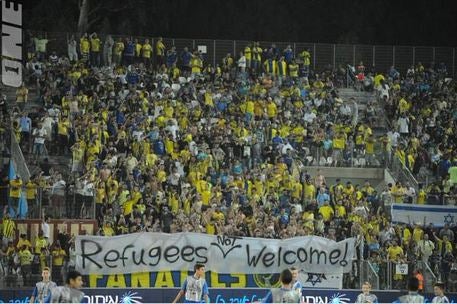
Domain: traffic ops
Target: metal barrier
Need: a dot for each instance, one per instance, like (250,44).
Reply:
(10,278)
(369,273)
(349,157)
(401,173)
(393,275)
(57,203)
(18,158)
(323,55)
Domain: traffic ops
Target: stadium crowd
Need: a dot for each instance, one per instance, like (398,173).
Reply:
(163,141)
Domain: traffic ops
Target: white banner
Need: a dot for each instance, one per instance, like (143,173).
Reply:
(401,269)
(423,214)
(321,280)
(146,252)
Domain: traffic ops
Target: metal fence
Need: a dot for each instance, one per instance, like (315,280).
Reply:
(349,157)
(56,203)
(375,57)
(18,158)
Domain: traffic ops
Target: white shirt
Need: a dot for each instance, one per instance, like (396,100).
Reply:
(345,110)
(286,148)
(298,208)
(384,91)
(403,124)
(72,47)
(393,138)
(46,230)
(426,247)
(47,124)
(173,129)
(309,117)
(242,62)
(439,299)
(411,192)
(40,135)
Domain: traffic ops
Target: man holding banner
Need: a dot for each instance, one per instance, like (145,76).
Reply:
(194,288)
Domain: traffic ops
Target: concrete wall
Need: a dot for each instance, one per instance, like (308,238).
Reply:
(355,175)
(348,173)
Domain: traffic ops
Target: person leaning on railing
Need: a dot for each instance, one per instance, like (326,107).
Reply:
(15,193)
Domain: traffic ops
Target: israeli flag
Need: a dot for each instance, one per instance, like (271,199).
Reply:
(424,214)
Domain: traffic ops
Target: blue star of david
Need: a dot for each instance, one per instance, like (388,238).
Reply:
(449,219)
(315,278)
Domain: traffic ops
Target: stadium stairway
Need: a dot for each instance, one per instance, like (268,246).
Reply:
(362,98)
(380,126)
(58,162)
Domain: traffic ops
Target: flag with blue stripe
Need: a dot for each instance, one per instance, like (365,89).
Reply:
(424,214)
(12,171)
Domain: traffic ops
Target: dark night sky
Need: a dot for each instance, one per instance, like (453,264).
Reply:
(422,22)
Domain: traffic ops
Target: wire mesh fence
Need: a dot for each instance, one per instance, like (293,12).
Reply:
(323,55)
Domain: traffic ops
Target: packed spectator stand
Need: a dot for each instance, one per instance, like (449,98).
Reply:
(162,141)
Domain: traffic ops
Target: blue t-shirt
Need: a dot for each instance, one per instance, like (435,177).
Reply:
(297,285)
(25,124)
(288,55)
(321,198)
(129,49)
(185,57)
(171,58)
(159,147)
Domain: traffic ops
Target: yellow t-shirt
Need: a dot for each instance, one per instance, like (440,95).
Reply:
(341,210)
(339,143)
(22,243)
(310,191)
(31,189)
(95,44)
(25,257)
(421,197)
(247,53)
(271,109)
(58,257)
(62,127)
(40,244)
(160,48)
(15,188)
(128,207)
(138,48)
(394,252)
(327,213)
(417,234)
(146,50)
(118,48)
(84,45)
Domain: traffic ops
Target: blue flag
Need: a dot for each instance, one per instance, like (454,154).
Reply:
(22,207)
(11,176)
(11,172)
